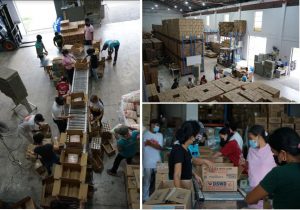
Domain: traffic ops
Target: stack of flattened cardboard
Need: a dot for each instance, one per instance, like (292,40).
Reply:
(72,32)
(132,183)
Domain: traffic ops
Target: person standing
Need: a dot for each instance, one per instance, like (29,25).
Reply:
(58,114)
(58,41)
(30,125)
(111,45)
(236,136)
(203,80)
(216,72)
(126,143)
(69,64)
(88,32)
(94,62)
(40,47)
(46,152)
(153,144)
(175,84)
(260,158)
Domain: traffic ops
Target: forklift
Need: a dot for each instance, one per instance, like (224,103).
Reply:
(10,35)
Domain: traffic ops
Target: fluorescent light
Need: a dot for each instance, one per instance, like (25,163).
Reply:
(180,10)
(203,4)
(168,9)
(186,2)
(190,7)
(175,6)
(156,5)
(152,7)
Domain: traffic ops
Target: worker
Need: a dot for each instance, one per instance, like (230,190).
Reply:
(58,114)
(229,148)
(30,125)
(96,107)
(40,47)
(203,80)
(282,182)
(63,87)
(260,158)
(69,64)
(236,136)
(88,32)
(126,143)
(94,62)
(175,84)
(180,159)
(216,71)
(190,83)
(58,41)
(111,45)
(153,145)
(45,152)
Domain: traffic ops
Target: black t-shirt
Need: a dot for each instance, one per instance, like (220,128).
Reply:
(180,155)
(58,39)
(94,61)
(46,152)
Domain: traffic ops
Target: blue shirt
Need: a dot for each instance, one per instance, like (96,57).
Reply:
(112,44)
(128,146)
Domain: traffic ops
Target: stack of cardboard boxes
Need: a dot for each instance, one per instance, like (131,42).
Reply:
(240,26)
(150,74)
(225,28)
(132,182)
(72,32)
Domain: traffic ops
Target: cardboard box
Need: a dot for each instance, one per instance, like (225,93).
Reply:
(77,49)
(130,170)
(82,157)
(70,189)
(70,173)
(220,179)
(289,125)
(77,100)
(274,119)
(47,188)
(109,149)
(297,126)
(166,198)
(273,126)
(25,203)
(66,138)
(131,183)
(162,168)
(134,197)
(137,178)
(159,178)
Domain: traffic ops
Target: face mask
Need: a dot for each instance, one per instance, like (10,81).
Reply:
(277,161)
(222,142)
(155,129)
(253,144)
(87,24)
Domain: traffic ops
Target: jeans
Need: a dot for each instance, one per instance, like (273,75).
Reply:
(116,53)
(117,162)
(42,59)
(147,177)
(95,75)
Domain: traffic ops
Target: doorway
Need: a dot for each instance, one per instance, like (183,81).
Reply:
(36,15)
(256,45)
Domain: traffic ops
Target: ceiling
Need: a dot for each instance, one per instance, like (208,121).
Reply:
(185,6)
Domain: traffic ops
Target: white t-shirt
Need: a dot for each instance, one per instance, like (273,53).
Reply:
(28,124)
(57,111)
(88,32)
(237,137)
(150,155)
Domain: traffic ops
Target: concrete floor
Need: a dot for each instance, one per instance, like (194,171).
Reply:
(288,85)
(17,183)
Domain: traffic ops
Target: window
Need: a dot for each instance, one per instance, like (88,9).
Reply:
(258,21)
(226,18)
(207,20)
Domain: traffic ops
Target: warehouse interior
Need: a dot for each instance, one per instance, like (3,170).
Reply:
(185,40)
(24,183)
(212,117)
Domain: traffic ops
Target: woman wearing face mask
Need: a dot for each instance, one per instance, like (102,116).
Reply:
(282,182)
(180,159)
(260,158)
(229,149)
(153,143)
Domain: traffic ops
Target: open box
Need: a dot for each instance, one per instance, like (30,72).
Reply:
(77,49)
(26,203)
(77,100)
(73,156)
(130,169)
(109,149)
(47,189)
(81,64)
(73,138)
(69,189)
(72,173)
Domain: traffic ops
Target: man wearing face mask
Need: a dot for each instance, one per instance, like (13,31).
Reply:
(126,143)
(31,124)
(153,144)
(88,32)
(283,181)
(260,158)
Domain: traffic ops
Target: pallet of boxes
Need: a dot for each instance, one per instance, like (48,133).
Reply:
(72,32)
(132,184)
(166,195)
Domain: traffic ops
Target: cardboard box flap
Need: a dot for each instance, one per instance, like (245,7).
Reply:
(83,191)
(158,197)
(162,168)
(58,171)
(56,187)
(178,195)
(84,158)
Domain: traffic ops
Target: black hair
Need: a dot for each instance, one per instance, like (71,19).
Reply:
(39,37)
(105,46)
(154,121)
(86,20)
(63,78)
(196,127)
(39,118)
(232,125)
(90,51)
(190,78)
(59,100)
(38,138)
(258,130)
(175,80)
(65,52)
(56,33)
(285,139)
(226,131)
(187,130)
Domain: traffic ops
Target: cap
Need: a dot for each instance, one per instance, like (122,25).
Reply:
(122,130)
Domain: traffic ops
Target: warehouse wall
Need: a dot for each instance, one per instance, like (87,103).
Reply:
(12,10)
(274,20)
(174,110)
(157,15)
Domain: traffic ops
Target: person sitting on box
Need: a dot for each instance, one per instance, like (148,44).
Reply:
(282,182)
(229,148)
(127,147)
(88,32)
(58,41)
(45,152)
(111,45)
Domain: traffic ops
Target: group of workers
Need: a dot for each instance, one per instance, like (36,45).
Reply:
(272,162)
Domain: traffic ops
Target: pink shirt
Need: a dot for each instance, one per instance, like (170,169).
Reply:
(68,62)
(88,32)
(260,163)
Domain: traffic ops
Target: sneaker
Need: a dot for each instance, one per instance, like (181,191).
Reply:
(114,63)
(109,172)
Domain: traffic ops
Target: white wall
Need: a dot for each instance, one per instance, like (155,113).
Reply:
(191,112)
(274,20)
(157,15)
